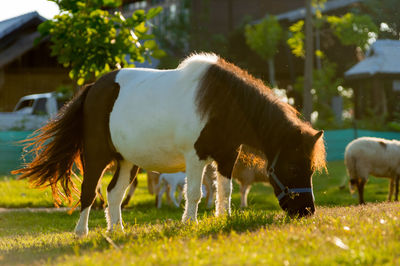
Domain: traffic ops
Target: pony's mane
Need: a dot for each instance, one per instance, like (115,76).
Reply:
(208,58)
(229,92)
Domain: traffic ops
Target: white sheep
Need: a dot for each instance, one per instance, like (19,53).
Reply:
(373,156)
(175,182)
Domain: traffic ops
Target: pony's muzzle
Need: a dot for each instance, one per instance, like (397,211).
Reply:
(301,206)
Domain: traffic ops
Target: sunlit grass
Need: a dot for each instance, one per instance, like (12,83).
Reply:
(339,233)
(350,235)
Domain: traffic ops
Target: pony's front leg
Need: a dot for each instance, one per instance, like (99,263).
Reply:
(124,175)
(224,191)
(194,176)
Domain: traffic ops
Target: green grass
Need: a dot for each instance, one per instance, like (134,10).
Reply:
(339,233)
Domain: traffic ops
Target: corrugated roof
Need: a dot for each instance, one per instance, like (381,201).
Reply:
(382,58)
(9,25)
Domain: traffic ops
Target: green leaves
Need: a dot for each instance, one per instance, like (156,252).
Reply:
(353,29)
(153,12)
(350,29)
(92,41)
(296,39)
(264,37)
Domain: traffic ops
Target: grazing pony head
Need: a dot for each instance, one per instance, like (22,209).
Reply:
(241,110)
(294,154)
(291,176)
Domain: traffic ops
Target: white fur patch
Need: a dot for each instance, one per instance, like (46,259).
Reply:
(82,228)
(208,58)
(154,121)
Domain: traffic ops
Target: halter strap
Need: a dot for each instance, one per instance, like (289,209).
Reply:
(291,192)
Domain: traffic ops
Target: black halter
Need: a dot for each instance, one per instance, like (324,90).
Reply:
(285,191)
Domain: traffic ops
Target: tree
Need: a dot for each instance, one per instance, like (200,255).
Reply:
(91,41)
(308,64)
(264,38)
(353,29)
(385,11)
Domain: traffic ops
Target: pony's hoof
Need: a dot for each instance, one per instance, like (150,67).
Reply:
(116,228)
(81,232)
(188,219)
(219,213)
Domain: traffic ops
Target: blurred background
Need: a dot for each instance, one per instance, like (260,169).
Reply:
(337,61)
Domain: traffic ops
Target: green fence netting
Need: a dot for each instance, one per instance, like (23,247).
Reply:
(11,150)
(335,140)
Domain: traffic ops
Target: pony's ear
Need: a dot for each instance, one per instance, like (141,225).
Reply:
(310,140)
(317,136)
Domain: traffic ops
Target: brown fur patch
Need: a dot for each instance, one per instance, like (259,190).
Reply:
(78,135)
(242,110)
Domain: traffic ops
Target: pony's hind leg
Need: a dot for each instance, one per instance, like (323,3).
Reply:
(124,175)
(92,173)
(131,191)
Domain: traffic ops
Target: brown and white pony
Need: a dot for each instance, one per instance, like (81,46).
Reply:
(176,120)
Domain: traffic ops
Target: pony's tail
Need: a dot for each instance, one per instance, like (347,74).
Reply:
(56,147)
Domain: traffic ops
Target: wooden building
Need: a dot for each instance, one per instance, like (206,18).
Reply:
(26,68)
(376,81)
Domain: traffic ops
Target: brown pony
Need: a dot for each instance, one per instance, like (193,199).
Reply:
(175,120)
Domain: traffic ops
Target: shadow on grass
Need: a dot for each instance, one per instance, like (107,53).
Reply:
(46,239)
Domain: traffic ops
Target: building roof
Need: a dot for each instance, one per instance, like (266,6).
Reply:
(17,36)
(9,25)
(300,13)
(382,58)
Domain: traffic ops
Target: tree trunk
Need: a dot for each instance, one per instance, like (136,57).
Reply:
(318,47)
(308,65)
(271,72)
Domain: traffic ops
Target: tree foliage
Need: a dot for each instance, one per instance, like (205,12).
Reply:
(296,38)
(325,84)
(264,37)
(385,11)
(91,40)
(350,29)
(353,29)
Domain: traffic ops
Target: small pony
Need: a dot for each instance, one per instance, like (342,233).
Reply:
(170,121)
(373,156)
(250,167)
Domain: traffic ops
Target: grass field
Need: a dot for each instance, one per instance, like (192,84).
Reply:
(339,233)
